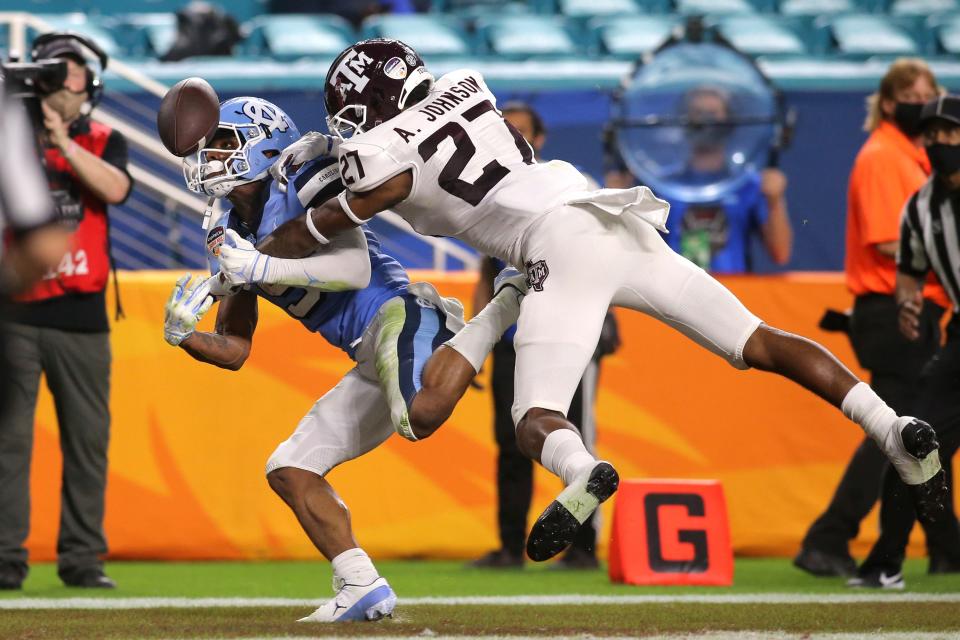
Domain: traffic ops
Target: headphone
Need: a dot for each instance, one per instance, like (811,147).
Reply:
(94,86)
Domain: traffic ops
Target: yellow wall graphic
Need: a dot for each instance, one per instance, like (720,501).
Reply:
(189,441)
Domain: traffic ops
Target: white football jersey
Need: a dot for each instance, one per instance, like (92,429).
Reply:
(474,176)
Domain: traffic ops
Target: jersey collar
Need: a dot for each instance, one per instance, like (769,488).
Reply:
(892,134)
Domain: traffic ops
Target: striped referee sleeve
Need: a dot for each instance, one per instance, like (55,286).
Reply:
(912,256)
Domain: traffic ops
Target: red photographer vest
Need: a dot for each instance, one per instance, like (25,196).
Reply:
(86,267)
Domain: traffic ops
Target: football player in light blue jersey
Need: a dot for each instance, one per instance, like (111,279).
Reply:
(357,297)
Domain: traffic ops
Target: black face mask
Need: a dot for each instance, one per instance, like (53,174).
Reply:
(944,158)
(907,117)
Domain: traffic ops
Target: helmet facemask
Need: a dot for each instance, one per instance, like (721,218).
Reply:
(216,171)
(348,122)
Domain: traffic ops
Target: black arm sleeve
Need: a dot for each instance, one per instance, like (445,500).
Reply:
(115,153)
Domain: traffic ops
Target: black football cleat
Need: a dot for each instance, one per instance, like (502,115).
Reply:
(930,495)
(557,526)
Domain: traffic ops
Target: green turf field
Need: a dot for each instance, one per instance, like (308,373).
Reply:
(762,602)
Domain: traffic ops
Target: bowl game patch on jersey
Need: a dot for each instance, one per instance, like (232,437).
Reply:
(215,239)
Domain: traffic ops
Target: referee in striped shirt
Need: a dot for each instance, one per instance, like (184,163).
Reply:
(929,241)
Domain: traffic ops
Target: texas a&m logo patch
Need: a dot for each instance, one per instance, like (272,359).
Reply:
(537,273)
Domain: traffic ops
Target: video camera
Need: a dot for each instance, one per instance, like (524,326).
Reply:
(30,81)
(45,74)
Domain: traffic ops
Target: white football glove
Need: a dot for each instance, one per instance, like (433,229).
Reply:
(188,302)
(240,262)
(312,144)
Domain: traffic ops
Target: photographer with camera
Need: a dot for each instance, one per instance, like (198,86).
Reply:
(59,326)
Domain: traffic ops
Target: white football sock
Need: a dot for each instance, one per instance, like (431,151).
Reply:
(475,341)
(867,409)
(564,455)
(354,567)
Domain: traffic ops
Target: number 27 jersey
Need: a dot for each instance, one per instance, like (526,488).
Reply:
(474,176)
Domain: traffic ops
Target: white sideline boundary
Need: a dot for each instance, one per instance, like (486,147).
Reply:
(22,603)
(715,635)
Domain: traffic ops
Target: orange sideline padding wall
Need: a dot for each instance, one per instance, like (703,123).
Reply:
(189,441)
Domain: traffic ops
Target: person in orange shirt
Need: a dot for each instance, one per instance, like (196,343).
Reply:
(890,167)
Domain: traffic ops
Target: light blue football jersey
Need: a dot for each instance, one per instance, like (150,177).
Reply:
(341,317)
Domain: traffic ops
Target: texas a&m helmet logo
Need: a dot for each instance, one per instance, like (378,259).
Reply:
(350,74)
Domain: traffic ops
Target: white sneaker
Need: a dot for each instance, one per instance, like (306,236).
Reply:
(356,602)
(879,580)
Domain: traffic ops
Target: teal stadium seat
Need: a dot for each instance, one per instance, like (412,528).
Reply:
(146,35)
(593,8)
(629,37)
(97,30)
(760,35)
(714,7)
(924,7)
(817,7)
(522,37)
(865,35)
(948,35)
(239,9)
(480,7)
(431,35)
(290,36)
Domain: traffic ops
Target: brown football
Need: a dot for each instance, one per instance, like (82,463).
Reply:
(188,113)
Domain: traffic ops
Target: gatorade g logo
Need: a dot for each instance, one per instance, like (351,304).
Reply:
(669,547)
(670,532)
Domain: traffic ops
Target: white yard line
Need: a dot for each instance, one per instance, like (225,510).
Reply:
(734,635)
(744,598)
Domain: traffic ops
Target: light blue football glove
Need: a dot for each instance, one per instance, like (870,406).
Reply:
(187,304)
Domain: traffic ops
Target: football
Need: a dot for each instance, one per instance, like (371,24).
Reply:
(188,114)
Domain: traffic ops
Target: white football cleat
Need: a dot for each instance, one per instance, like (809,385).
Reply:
(356,603)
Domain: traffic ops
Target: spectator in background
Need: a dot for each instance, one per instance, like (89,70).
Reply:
(716,236)
(928,242)
(890,167)
(514,470)
(59,327)
(203,29)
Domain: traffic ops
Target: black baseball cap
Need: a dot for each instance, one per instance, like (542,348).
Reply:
(945,108)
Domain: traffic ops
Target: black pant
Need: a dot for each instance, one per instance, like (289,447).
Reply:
(895,364)
(77,369)
(515,470)
(939,404)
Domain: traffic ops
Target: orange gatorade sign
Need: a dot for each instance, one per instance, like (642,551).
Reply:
(671,532)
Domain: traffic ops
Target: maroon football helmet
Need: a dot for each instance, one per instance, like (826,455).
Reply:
(371,82)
